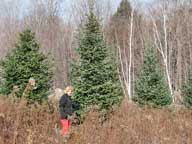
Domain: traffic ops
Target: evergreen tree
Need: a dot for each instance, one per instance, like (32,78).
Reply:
(151,88)
(187,90)
(95,77)
(25,62)
(124,10)
(118,28)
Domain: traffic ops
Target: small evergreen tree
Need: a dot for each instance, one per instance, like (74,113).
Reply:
(187,91)
(151,88)
(95,77)
(25,62)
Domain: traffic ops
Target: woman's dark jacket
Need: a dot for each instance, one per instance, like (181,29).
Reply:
(67,106)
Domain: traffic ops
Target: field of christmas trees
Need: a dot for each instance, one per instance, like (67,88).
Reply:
(130,70)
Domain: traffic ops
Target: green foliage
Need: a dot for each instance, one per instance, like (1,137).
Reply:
(187,90)
(95,76)
(25,62)
(151,88)
(118,26)
(124,10)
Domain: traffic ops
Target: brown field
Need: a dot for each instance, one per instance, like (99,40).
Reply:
(128,124)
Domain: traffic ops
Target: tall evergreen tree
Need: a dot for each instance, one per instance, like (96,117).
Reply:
(95,77)
(151,88)
(25,62)
(118,29)
(124,10)
(187,90)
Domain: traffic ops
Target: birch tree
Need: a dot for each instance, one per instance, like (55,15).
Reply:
(163,46)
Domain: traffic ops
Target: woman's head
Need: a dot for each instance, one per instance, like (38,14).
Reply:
(68,90)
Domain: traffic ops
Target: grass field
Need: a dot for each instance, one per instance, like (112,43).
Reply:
(129,124)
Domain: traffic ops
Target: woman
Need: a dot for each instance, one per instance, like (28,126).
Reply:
(66,108)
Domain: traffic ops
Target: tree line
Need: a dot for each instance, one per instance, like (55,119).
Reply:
(146,56)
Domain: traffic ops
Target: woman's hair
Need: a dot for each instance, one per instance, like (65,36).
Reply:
(68,88)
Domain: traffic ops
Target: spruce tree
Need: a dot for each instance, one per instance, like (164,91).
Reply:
(124,10)
(151,88)
(187,90)
(95,76)
(25,62)
(118,27)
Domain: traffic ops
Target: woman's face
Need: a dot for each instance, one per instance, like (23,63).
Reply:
(70,93)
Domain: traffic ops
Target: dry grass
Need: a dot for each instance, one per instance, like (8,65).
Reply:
(133,125)
(21,124)
(129,124)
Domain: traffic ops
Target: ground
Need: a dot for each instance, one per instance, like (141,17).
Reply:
(128,124)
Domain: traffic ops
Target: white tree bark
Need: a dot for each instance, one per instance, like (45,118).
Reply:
(126,68)
(124,79)
(166,55)
(130,56)
(163,51)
